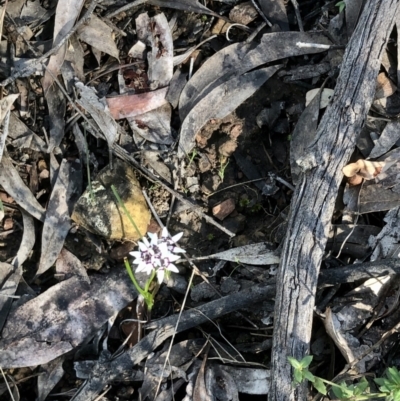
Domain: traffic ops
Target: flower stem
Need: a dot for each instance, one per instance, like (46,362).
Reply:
(125,210)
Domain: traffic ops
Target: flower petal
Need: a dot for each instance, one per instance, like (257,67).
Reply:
(143,247)
(153,238)
(165,233)
(160,275)
(172,268)
(177,237)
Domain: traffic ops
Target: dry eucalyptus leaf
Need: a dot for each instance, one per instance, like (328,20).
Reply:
(275,11)
(254,254)
(219,103)
(98,109)
(6,104)
(249,380)
(57,106)
(326,96)
(234,60)
(186,5)
(389,136)
(156,33)
(15,187)
(125,106)
(22,137)
(364,168)
(304,135)
(99,35)
(58,222)
(63,317)
(28,239)
(67,12)
(101,213)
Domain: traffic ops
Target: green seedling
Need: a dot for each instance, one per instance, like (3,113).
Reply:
(88,168)
(341,5)
(210,237)
(389,386)
(222,169)
(192,156)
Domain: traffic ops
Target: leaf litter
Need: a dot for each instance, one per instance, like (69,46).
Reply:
(197,122)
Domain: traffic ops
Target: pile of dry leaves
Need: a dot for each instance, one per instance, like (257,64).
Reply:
(120,118)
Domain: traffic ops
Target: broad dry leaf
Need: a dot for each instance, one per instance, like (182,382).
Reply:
(154,126)
(28,239)
(156,33)
(254,254)
(74,311)
(10,277)
(99,35)
(57,105)
(385,244)
(389,136)
(24,138)
(249,380)
(186,5)
(125,106)
(6,103)
(348,345)
(219,103)
(51,374)
(304,135)
(67,12)
(236,59)
(15,187)
(99,111)
(275,11)
(326,96)
(58,222)
(5,107)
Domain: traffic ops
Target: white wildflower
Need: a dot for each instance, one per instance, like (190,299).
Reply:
(158,254)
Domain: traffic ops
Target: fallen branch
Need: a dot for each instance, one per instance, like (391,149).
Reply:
(314,198)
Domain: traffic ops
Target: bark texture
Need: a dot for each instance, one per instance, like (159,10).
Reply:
(314,198)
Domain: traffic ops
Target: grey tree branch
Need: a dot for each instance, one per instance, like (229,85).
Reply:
(314,198)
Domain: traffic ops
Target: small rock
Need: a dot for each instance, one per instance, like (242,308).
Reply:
(8,224)
(243,13)
(220,27)
(101,214)
(224,209)
(229,285)
(227,148)
(236,223)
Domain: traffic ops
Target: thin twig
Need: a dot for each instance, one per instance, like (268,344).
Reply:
(298,16)
(261,13)
(125,8)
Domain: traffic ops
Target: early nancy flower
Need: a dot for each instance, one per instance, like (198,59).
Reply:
(158,254)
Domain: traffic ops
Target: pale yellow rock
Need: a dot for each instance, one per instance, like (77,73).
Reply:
(101,213)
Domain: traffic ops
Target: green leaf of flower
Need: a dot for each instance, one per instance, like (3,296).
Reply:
(361,387)
(298,376)
(319,386)
(394,375)
(305,362)
(338,392)
(309,376)
(294,362)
